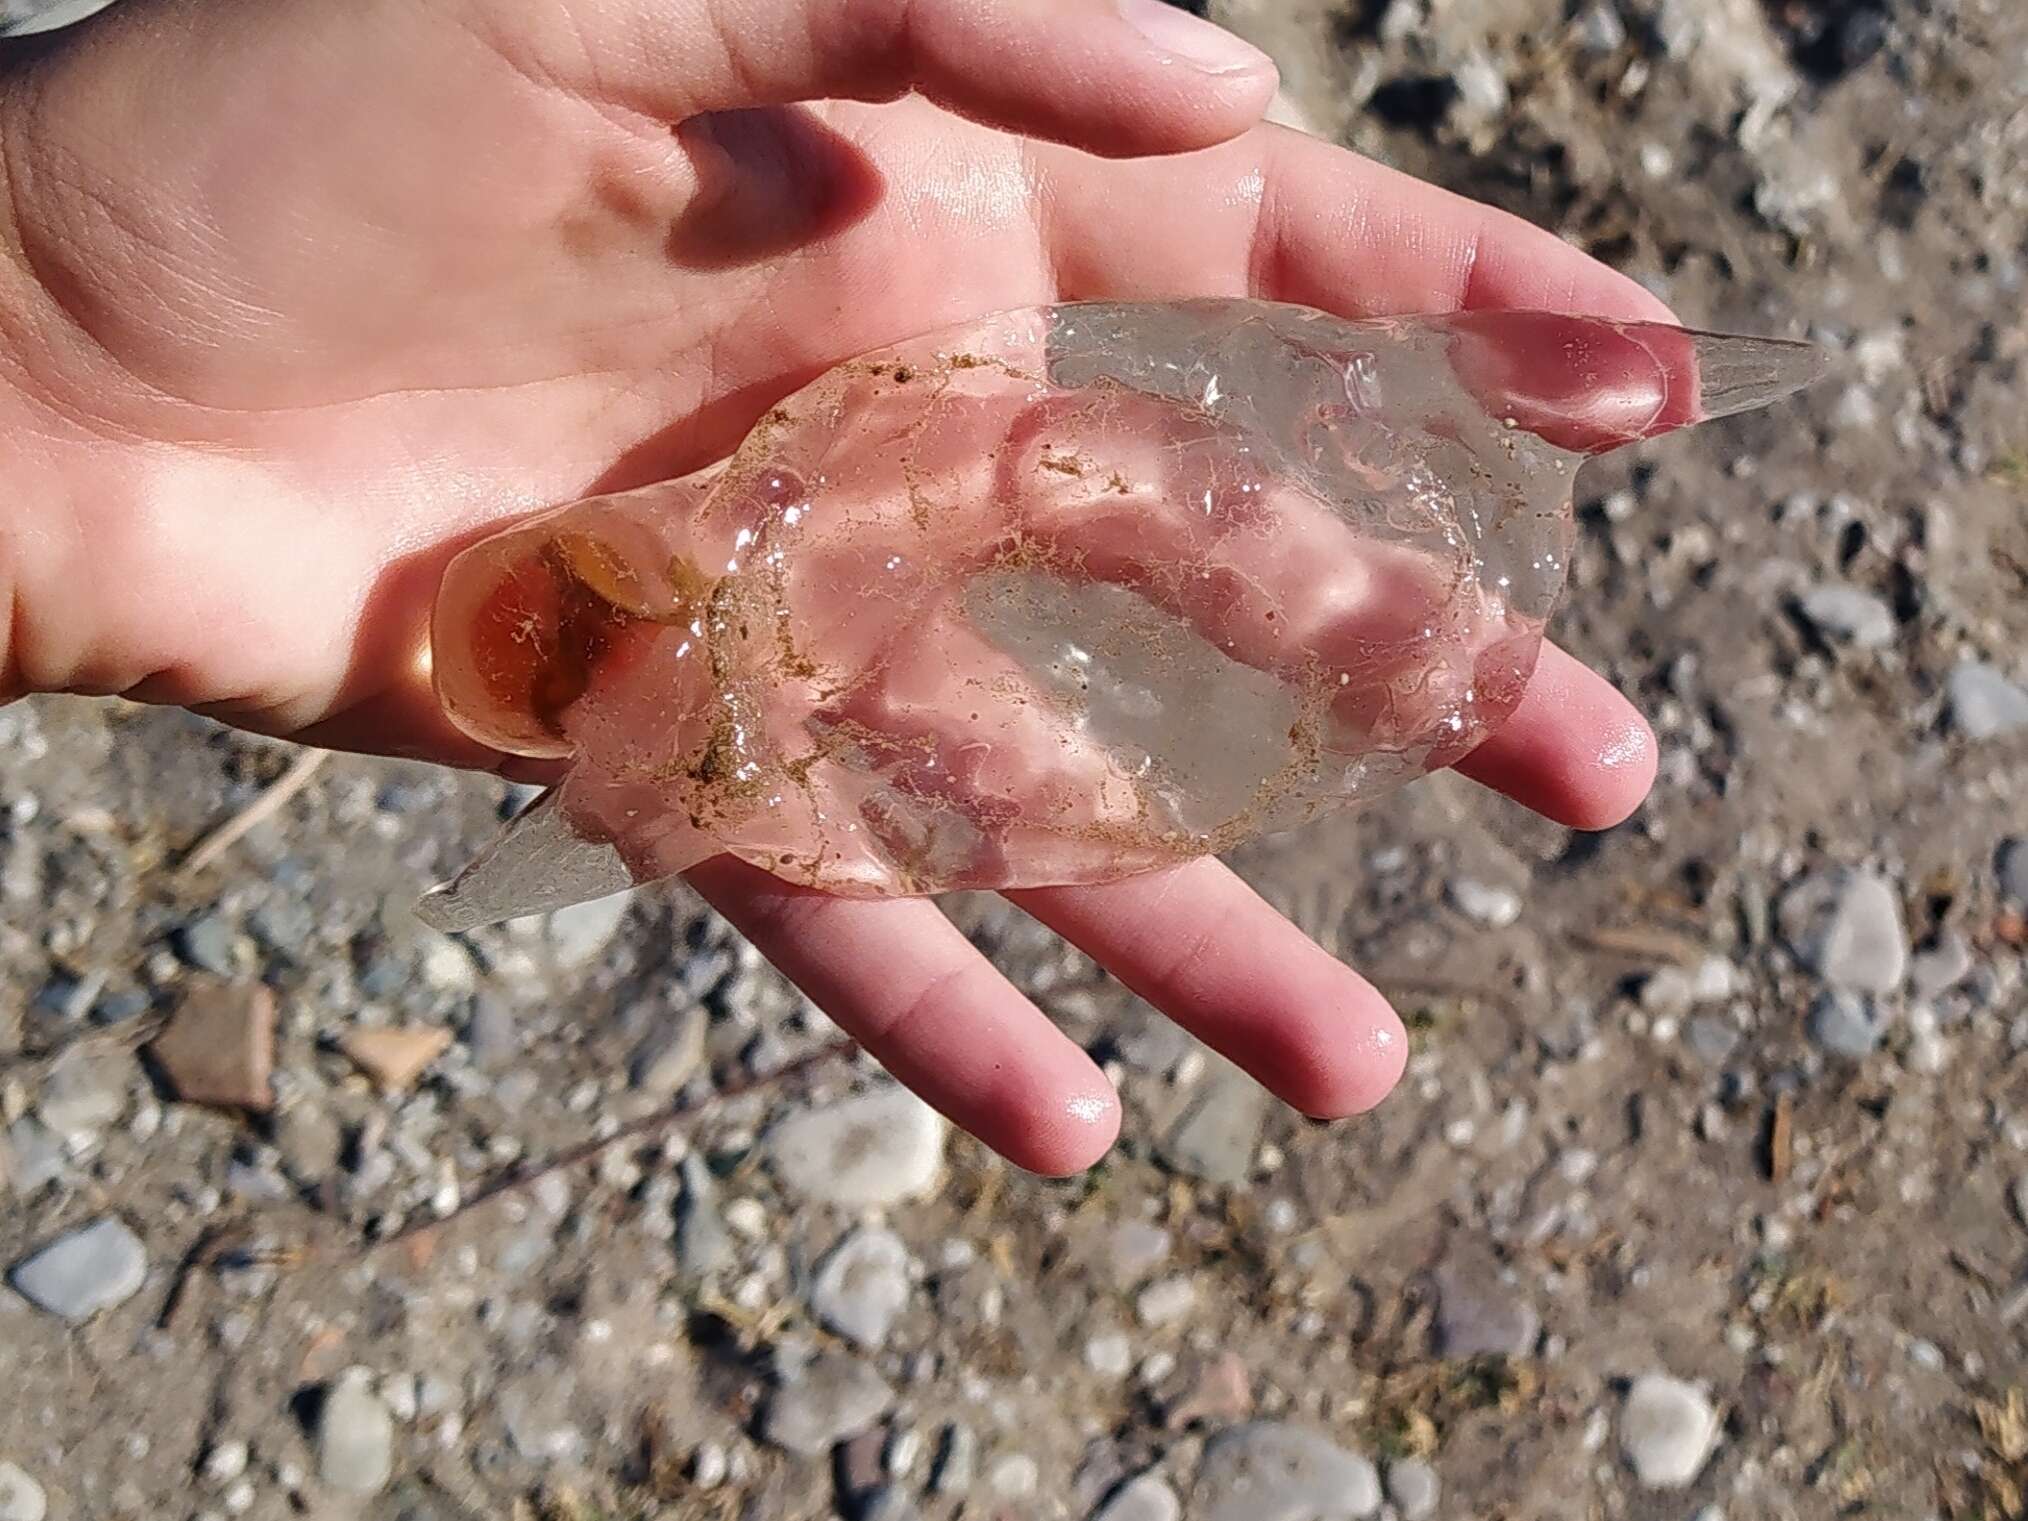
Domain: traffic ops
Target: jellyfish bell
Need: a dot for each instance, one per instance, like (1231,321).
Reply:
(1058,596)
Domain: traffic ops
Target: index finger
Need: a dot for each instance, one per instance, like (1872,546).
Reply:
(1284,216)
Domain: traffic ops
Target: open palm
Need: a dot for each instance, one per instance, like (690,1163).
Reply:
(304,296)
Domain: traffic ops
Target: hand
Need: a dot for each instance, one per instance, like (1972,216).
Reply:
(297,298)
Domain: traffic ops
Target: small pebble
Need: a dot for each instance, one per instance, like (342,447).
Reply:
(1600,29)
(210,943)
(956,1462)
(1013,1476)
(219,1047)
(1983,703)
(225,1462)
(1483,903)
(708,1466)
(1942,965)
(1846,926)
(394,1057)
(1218,1131)
(355,1435)
(1145,1498)
(1165,1301)
(21,1498)
(1849,615)
(579,933)
(881,1147)
(2012,862)
(1845,1025)
(83,1092)
(91,1269)
(1109,1355)
(1136,1249)
(669,1055)
(862,1286)
(1667,1429)
(1412,1486)
(1477,1315)
(831,1398)
(1712,1037)
(1269,1469)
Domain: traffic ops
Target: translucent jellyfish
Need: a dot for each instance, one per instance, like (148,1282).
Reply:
(1059,596)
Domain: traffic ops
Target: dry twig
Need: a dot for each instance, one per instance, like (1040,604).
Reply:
(516,1180)
(207,851)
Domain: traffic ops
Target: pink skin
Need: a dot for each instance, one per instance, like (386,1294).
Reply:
(291,310)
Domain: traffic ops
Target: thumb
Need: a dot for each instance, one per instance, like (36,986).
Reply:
(1116,77)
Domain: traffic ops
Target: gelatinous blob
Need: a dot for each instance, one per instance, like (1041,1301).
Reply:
(1060,596)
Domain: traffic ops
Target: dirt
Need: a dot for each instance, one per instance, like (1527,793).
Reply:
(1826,1246)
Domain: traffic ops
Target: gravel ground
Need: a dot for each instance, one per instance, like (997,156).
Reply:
(1706,1195)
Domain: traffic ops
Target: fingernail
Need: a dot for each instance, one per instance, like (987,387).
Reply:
(1189,39)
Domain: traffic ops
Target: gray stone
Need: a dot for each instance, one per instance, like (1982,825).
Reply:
(255,1183)
(1712,1037)
(2012,862)
(211,943)
(1412,1486)
(1847,614)
(21,1498)
(1215,1136)
(1272,1471)
(1135,1249)
(224,1462)
(1109,1354)
(1165,1301)
(1666,1430)
(1013,1476)
(1845,925)
(85,1090)
(309,1141)
(1984,704)
(1600,29)
(579,933)
(887,1503)
(862,1285)
(1483,902)
(35,1156)
(1145,1498)
(355,1435)
(830,1399)
(1478,1316)
(703,1244)
(669,1054)
(535,1411)
(879,1147)
(120,1005)
(491,1033)
(93,1268)
(1668,990)
(1845,1025)
(957,1461)
(283,925)
(1939,966)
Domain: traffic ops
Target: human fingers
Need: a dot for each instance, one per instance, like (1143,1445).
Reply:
(1212,954)
(899,978)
